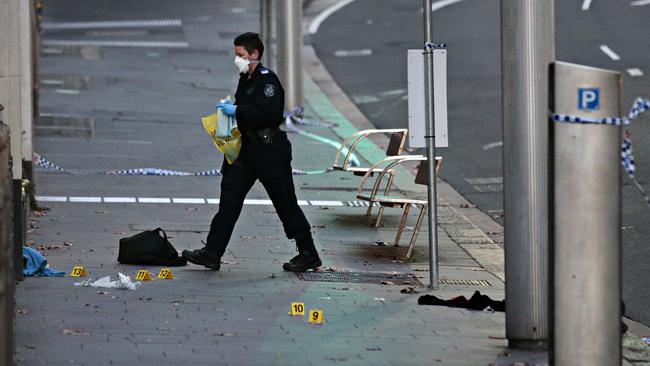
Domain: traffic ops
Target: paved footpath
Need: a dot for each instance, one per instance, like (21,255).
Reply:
(110,109)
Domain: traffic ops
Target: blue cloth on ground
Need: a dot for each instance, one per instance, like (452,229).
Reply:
(36,265)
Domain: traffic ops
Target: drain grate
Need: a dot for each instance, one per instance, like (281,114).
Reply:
(377,278)
(444,281)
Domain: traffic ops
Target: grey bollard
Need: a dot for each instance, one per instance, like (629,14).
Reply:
(7,282)
(586,204)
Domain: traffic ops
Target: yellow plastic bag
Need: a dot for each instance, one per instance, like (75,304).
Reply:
(229,146)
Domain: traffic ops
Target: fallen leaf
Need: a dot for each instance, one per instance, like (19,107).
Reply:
(465,205)
(373,349)
(119,233)
(229,262)
(101,293)
(322,226)
(387,283)
(421,270)
(381,243)
(22,311)
(102,212)
(75,332)
(67,243)
(192,209)
(144,298)
(87,250)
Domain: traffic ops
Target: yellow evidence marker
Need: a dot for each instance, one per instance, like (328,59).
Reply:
(143,275)
(297,308)
(78,271)
(165,274)
(316,316)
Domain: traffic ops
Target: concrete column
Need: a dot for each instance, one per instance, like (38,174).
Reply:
(527,49)
(26,35)
(289,56)
(10,78)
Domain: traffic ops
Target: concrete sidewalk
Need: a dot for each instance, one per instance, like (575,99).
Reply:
(140,108)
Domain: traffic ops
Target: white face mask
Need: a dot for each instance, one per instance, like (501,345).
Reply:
(241,64)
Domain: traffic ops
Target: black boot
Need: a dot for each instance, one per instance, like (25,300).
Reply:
(203,257)
(307,257)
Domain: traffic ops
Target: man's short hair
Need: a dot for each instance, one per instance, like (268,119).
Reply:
(251,42)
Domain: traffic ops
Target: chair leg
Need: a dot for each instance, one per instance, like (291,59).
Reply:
(381,208)
(402,224)
(416,231)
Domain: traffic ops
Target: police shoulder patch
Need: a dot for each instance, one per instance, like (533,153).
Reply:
(269,90)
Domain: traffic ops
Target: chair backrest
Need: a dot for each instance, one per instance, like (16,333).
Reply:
(423,168)
(396,144)
(421,175)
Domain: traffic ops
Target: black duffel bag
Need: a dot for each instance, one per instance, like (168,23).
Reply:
(149,248)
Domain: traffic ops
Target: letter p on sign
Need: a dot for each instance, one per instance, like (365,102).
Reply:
(588,99)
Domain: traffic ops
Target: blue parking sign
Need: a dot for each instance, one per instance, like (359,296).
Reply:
(588,99)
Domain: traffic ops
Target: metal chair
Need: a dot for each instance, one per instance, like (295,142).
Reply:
(395,147)
(384,200)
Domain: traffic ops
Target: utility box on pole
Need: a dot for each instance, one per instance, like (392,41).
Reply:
(587,217)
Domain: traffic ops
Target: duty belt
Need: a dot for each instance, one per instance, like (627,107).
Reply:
(263,136)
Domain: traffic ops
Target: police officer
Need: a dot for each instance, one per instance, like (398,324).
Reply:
(265,155)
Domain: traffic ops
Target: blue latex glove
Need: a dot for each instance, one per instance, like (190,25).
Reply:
(228,109)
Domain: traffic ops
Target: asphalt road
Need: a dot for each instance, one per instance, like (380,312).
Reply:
(375,79)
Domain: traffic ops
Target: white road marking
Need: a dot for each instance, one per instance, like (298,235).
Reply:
(316,22)
(258,202)
(492,145)
(67,91)
(113,24)
(640,2)
(586,4)
(353,53)
(212,201)
(52,198)
(85,199)
(608,51)
(119,199)
(189,200)
(364,99)
(444,3)
(326,203)
(51,82)
(153,200)
(97,43)
(635,71)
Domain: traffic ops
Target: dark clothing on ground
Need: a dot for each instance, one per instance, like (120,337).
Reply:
(260,107)
(476,302)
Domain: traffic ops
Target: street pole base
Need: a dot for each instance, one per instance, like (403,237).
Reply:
(528,345)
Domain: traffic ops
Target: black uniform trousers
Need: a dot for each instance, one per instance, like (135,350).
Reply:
(271,164)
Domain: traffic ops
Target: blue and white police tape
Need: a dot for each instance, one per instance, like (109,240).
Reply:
(44,163)
(296,116)
(291,119)
(627,158)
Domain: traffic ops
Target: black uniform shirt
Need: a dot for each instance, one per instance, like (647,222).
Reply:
(260,100)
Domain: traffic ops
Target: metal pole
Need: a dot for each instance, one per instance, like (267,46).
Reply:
(527,48)
(289,28)
(432,209)
(587,218)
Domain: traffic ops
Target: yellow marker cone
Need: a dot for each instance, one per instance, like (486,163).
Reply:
(143,275)
(165,274)
(297,309)
(78,271)
(316,316)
